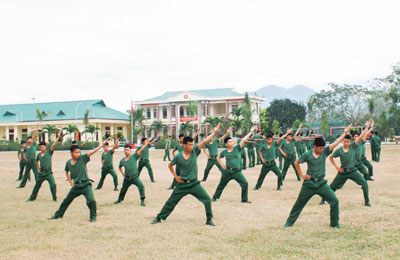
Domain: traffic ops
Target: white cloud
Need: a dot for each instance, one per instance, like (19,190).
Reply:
(66,50)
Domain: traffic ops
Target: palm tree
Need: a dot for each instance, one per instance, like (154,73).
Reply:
(86,120)
(50,129)
(158,126)
(192,109)
(70,129)
(236,124)
(213,121)
(185,127)
(91,129)
(138,118)
(371,106)
(237,112)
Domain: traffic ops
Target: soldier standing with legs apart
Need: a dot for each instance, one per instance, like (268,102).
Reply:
(107,165)
(187,182)
(21,160)
(314,182)
(77,175)
(144,157)
(29,156)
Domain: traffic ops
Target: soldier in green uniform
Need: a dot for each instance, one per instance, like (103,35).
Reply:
(45,174)
(303,147)
(297,145)
(29,156)
(250,151)
(77,175)
(22,161)
(278,152)
(289,153)
(179,147)
(376,147)
(144,157)
(358,155)
(212,147)
(128,168)
(366,162)
(243,160)
(232,170)
(167,148)
(348,170)
(314,182)
(107,165)
(268,156)
(187,182)
(260,140)
(331,138)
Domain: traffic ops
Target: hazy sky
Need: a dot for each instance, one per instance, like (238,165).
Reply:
(117,50)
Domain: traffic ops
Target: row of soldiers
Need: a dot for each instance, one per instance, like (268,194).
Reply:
(185,172)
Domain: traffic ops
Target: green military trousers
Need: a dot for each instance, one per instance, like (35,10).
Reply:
(84,189)
(210,163)
(266,168)
(362,169)
(353,175)
(308,190)
(127,183)
(369,166)
(146,163)
(226,177)
(251,155)
(180,191)
(290,159)
(258,155)
(21,170)
(166,155)
(104,173)
(243,160)
(52,184)
(376,153)
(30,165)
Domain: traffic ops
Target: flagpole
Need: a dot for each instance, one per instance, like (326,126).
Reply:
(131,122)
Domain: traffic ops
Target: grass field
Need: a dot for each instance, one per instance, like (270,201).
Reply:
(243,231)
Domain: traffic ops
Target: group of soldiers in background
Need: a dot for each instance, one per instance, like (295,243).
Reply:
(291,150)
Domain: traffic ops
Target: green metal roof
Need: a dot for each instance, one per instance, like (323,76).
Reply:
(69,110)
(211,93)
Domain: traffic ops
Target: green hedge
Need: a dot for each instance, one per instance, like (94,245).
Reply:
(14,146)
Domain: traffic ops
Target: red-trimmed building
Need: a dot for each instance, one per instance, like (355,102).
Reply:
(172,107)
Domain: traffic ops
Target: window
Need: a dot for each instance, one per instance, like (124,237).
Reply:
(24,130)
(119,128)
(173,111)
(148,112)
(107,128)
(181,112)
(204,110)
(11,131)
(155,113)
(165,113)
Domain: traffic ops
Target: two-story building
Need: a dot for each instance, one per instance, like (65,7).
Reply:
(172,108)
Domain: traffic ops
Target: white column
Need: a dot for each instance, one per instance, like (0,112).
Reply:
(16,133)
(99,131)
(7,134)
(111,129)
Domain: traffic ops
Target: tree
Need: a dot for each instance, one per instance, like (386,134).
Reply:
(192,109)
(213,121)
(286,111)
(371,106)
(86,120)
(236,124)
(50,129)
(185,127)
(91,129)
(383,125)
(324,124)
(237,112)
(247,113)
(158,126)
(264,121)
(137,118)
(275,127)
(40,115)
(341,102)
(70,129)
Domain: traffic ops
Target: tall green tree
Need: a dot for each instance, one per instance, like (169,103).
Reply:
(158,126)
(50,129)
(276,127)
(185,128)
(138,118)
(247,113)
(71,129)
(192,109)
(91,129)
(286,112)
(236,124)
(86,120)
(213,121)
(324,124)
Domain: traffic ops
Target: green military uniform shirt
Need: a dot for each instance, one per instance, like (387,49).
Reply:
(168,144)
(131,170)
(358,151)
(316,166)
(145,153)
(347,160)
(250,145)
(45,162)
(187,168)
(288,148)
(21,154)
(269,153)
(259,144)
(108,159)
(213,147)
(376,141)
(30,153)
(179,147)
(78,171)
(232,158)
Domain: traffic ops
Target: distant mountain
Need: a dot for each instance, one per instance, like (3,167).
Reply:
(271,92)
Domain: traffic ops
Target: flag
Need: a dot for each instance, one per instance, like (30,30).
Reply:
(131,107)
